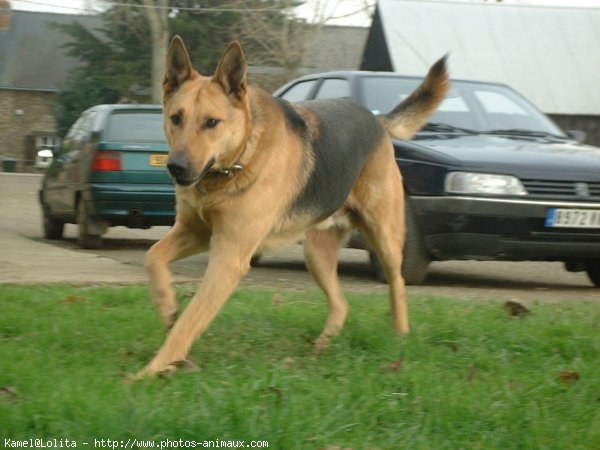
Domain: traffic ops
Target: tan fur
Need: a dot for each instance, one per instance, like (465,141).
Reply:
(411,114)
(235,216)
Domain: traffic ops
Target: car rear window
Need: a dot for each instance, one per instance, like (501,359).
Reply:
(135,126)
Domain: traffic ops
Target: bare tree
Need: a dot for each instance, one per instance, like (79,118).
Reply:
(281,38)
(278,37)
(157,13)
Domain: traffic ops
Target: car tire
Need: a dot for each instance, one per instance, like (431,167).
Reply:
(592,268)
(376,267)
(53,228)
(255,259)
(415,261)
(85,238)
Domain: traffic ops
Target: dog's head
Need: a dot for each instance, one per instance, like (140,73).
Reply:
(207,119)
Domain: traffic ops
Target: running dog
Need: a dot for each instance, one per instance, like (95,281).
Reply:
(253,172)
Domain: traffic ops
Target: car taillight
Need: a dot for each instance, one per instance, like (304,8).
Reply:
(105,161)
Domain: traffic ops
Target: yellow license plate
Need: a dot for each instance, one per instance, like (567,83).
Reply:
(158,160)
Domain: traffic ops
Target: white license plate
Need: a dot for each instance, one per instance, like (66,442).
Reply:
(573,218)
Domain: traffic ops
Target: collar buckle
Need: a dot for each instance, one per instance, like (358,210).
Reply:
(227,171)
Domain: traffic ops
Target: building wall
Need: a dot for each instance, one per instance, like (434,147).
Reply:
(589,124)
(26,118)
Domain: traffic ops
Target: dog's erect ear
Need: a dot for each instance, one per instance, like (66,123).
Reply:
(231,71)
(178,67)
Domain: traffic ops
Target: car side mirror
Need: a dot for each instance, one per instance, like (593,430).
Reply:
(45,153)
(577,135)
(43,158)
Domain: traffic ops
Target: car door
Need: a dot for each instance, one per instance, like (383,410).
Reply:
(64,176)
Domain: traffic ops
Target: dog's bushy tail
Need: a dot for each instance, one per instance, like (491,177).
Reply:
(412,113)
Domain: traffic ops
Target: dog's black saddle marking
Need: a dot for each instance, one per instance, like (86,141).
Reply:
(348,134)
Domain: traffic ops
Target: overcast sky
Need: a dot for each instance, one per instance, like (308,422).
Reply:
(342,7)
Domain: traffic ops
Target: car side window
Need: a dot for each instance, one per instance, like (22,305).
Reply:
(74,128)
(299,92)
(334,88)
(81,128)
(86,126)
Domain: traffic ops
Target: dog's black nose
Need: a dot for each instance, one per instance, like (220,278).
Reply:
(176,167)
(176,170)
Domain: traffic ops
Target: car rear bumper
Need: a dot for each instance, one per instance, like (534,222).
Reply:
(508,229)
(135,206)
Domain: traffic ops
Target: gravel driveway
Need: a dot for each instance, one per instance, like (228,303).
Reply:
(26,258)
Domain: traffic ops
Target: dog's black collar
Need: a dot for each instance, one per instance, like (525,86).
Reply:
(225,172)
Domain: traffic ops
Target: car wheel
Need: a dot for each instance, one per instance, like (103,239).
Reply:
(53,228)
(376,267)
(85,238)
(255,259)
(415,261)
(592,268)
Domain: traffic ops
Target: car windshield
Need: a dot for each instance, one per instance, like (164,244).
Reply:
(479,107)
(135,126)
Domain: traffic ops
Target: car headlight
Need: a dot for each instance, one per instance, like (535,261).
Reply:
(483,184)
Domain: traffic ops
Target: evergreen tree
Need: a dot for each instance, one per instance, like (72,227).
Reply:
(117,58)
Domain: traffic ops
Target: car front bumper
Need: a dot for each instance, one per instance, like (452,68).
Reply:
(465,227)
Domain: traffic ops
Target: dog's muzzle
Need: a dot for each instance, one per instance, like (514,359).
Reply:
(181,172)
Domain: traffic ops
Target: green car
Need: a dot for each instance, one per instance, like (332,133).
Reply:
(110,170)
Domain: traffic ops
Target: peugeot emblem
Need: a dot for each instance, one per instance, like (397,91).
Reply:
(582,189)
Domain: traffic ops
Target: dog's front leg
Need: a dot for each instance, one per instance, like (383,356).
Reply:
(229,262)
(181,241)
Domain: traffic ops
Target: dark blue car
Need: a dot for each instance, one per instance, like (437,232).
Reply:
(489,178)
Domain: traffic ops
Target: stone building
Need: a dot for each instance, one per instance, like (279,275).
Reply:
(33,67)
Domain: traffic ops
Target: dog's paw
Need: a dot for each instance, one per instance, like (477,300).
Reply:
(170,319)
(183,366)
(322,345)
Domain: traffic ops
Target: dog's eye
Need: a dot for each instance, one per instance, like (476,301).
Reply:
(211,123)
(175,119)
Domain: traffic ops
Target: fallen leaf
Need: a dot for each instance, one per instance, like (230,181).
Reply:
(8,392)
(451,345)
(568,376)
(276,300)
(395,366)
(289,362)
(273,389)
(516,309)
(472,373)
(74,299)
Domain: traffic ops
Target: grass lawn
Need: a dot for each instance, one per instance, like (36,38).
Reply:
(469,376)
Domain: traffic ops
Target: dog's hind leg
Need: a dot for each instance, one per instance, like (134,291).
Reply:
(178,243)
(321,251)
(378,200)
